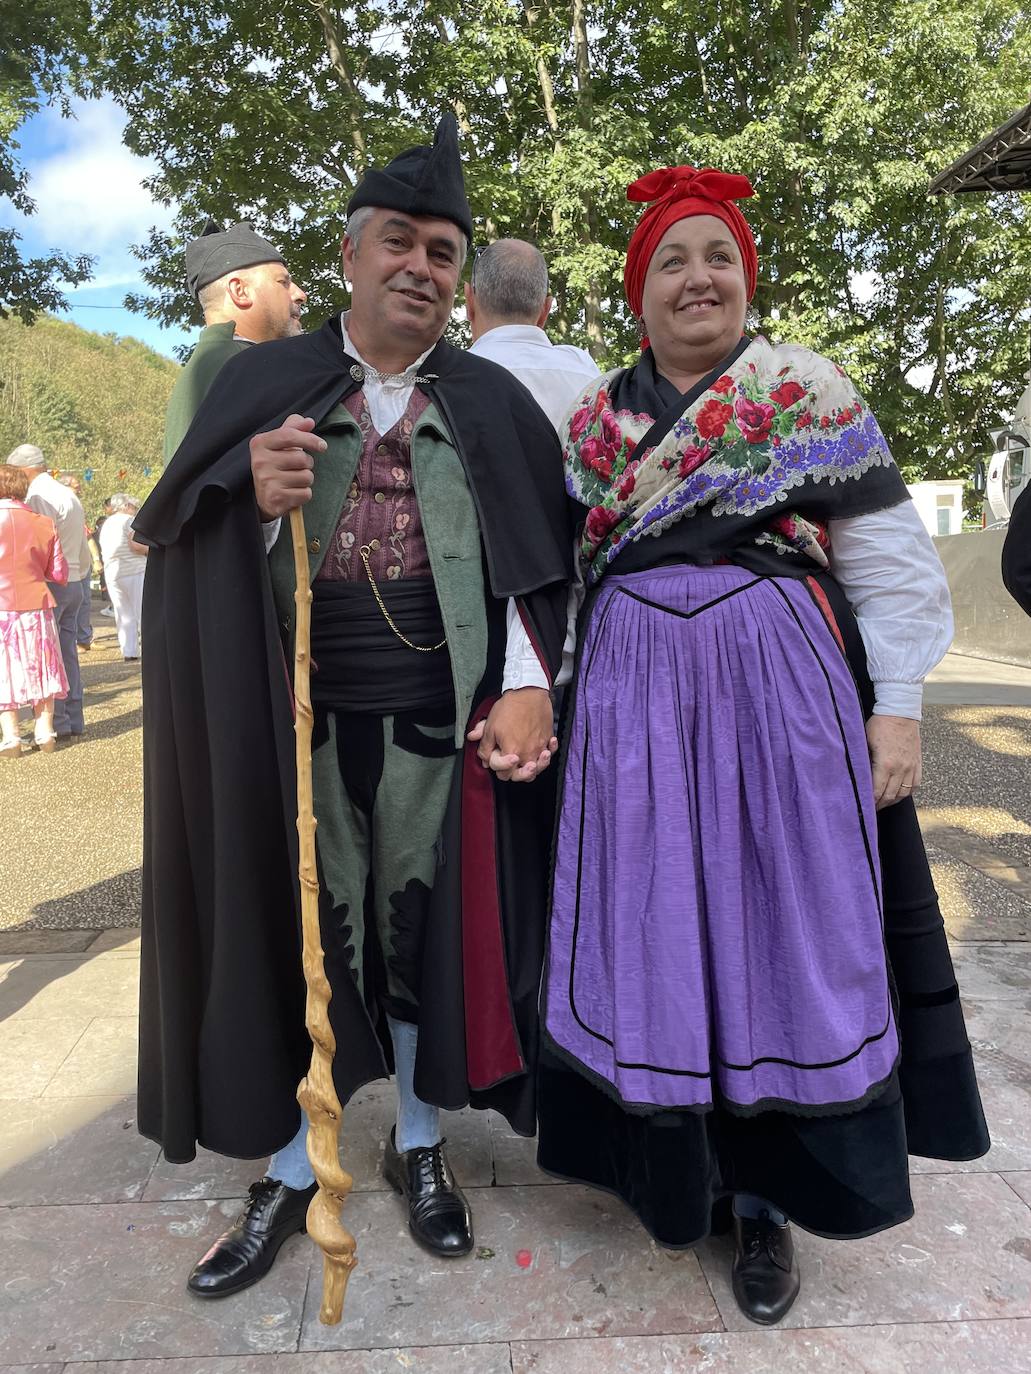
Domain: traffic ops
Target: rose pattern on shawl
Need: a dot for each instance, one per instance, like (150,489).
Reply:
(712,420)
(599,522)
(754,419)
(787,394)
(693,457)
(761,430)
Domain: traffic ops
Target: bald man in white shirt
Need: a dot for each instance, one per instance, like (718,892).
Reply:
(507,303)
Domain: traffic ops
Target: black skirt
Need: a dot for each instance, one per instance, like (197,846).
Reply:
(838,1176)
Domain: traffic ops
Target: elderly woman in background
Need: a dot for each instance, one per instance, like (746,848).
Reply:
(744,929)
(125,562)
(31,670)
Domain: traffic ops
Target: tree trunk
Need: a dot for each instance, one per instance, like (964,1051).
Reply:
(337,50)
(585,117)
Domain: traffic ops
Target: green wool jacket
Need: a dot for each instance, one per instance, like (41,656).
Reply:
(215,347)
(449,523)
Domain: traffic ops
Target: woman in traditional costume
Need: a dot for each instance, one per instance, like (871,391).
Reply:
(749,994)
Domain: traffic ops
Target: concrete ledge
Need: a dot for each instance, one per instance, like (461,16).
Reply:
(989,623)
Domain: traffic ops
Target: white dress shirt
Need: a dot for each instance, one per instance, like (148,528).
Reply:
(888,568)
(46,496)
(554,374)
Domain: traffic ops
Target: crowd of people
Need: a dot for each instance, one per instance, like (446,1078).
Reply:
(49,556)
(729,1000)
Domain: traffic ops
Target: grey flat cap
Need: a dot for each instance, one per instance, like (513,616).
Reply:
(26,456)
(218,251)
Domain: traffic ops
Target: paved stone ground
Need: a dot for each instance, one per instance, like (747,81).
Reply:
(97,1233)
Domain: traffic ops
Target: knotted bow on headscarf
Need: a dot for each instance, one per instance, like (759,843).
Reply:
(676,193)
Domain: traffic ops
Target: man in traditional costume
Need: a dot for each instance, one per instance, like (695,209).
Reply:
(749,994)
(244,288)
(440,554)
(507,303)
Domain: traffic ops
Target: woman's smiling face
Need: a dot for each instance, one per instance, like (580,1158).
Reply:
(694,292)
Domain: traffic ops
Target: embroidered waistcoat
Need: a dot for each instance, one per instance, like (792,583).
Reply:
(380,510)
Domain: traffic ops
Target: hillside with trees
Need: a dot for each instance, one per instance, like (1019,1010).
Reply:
(94,403)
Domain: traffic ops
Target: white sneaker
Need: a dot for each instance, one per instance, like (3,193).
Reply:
(108,611)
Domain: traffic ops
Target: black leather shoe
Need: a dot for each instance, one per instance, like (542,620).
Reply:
(765,1273)
(438,1214)
(244,1254)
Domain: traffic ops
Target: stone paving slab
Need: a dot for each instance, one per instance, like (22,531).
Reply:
(965,1256)
(551,1263)
(974,906)
(993,972)
(442,1359)
(45,941)
(102,1063)
(107,1282)
(1004,1347)
(34,1368)
(1021,1184)
(116,942)
(66,985)
(78,1150)
(515,1157)
(32,1052)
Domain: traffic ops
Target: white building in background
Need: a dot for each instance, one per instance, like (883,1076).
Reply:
(940,504)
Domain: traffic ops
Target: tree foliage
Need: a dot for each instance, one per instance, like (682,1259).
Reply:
(94,403)
(41,60)
(840,111)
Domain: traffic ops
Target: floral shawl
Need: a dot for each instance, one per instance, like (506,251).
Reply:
(765,450)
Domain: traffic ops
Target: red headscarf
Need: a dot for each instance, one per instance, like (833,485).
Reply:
(675,193)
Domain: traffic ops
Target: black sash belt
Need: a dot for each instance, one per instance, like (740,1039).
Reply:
(358,662)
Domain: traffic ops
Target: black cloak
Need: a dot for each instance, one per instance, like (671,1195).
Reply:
(222,1037)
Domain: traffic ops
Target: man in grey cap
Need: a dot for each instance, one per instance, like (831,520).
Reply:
(244,287)
(47,496)
(507,303)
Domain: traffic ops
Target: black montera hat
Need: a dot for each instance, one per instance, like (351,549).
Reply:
(421,181)
(218,251)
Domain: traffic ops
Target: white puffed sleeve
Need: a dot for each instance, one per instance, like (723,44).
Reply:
(890,572)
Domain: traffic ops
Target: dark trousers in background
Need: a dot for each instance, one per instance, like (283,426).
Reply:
(83,623)
(68,712)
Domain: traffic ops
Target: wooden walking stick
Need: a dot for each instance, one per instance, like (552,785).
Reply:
(316,1094)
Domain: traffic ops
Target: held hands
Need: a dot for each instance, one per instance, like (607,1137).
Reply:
(282,467)
(516,740)
(895,756)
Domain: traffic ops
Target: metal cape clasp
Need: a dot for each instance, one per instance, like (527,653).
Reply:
(357,372)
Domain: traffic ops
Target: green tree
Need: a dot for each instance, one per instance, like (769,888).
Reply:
(840,112)
(40,61)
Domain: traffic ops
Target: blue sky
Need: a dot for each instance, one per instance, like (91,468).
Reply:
(89,199)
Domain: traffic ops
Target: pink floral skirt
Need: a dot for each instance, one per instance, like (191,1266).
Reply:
(30,659)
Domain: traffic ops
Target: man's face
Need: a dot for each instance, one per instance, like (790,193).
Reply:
(403,276)
(276,303)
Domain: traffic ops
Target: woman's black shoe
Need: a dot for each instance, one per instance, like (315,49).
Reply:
(438,1214)
(244,1254)
(765,1273)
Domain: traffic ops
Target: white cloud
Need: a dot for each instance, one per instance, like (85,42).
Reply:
(89,197)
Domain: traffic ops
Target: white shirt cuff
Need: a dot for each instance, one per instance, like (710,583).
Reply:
(522,666)
(899,699)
